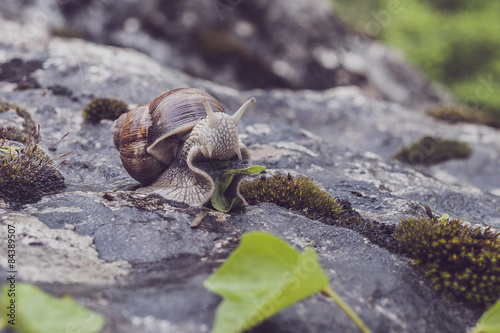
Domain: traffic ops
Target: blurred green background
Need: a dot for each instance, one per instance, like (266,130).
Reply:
(456,42)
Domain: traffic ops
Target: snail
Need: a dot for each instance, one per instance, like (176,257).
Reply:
(160,142)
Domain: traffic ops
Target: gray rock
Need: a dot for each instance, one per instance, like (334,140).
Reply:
(136,260)
(242,44)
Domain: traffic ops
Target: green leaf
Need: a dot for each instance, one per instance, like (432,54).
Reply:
(260,278)
(38,312)
(218,199)
(489,321)
(9,149)
(444,218)
(225,181)
(252,170)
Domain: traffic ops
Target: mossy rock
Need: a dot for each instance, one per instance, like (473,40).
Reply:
(460,261)
(27,172)
(303,195)
(462,113)
(429,150)
(299,193)
(104,108)
(16,133)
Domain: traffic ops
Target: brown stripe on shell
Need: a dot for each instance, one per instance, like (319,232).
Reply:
(141,166)
(117,129)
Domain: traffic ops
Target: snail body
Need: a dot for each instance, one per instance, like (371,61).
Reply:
(159,143)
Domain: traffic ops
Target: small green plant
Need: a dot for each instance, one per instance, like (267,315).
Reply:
(300,193)
(263,276)
(459,260)
(463,113)
(104,108)
(429,150)
(219,200)
(26,173)
(28,309)
(489,321)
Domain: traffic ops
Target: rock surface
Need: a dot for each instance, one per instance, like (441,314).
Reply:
(136,260)
(242,44)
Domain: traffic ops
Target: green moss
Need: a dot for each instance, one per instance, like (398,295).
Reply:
(104,108)
(462,113)
(26,172)
(307,198)
(459,260)
(429,150)
(456,42)
(17,134)
(299,193)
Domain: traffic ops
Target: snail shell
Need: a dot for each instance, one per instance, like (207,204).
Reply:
(149,136)
(159,141)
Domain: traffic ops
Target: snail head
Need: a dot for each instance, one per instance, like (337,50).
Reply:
(217,135)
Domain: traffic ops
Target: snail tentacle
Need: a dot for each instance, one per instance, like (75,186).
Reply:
(212,120)
(237,115)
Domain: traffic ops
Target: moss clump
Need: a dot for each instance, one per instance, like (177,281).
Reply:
(27,173)
(459,260)
(305,196)
(19,133)
(429,150)
(460,113)
(299,193)
(104,108)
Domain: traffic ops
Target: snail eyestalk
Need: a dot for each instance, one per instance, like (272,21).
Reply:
(237,116)
(212,120)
